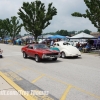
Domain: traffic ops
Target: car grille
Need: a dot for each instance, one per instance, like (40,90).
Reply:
(52,54)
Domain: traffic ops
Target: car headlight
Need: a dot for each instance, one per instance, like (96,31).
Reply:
(43,55)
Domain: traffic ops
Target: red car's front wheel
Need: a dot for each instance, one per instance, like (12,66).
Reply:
(24,55)
(37,58)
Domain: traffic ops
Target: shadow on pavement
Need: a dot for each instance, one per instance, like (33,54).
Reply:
(46,60)
(72,58)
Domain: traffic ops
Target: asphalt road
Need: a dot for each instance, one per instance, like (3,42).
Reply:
(65,79)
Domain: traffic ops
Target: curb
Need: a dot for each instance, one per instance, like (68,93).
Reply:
(16,87)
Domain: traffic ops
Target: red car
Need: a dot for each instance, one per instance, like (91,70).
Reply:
(39,51)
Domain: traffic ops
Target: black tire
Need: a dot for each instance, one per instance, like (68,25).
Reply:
(76,56)
(24,55)
(54,59)
(63,55)
(60,56)
(1,56)
(37,58)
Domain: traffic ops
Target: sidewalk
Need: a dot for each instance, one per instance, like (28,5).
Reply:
(96,52)
(9,90)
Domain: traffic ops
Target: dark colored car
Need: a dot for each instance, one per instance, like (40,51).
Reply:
(39,51)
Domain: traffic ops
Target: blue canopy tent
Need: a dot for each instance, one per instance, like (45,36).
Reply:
(57,37)
(44,36)
(19,41)
(7,38)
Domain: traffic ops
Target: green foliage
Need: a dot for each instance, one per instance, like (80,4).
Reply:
(35,18)
(12,26)
(60,32)
(92,13)
(67,33)
(85,31)
(1,28)
(16,26)
(4,27)
(7,26)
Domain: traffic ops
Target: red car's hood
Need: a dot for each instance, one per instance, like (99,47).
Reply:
(46,51)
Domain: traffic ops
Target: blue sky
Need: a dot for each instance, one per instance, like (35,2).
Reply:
(63,19)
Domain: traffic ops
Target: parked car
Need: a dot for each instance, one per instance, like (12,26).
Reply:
(54,48)
(39,51)
(67,50)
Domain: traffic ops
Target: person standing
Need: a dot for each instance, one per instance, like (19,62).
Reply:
(52,42)
(1,53)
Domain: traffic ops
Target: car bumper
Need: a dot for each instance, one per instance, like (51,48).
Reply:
(73,55)
(51,56)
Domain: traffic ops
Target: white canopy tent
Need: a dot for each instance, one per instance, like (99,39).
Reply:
(82,35)
(28,37)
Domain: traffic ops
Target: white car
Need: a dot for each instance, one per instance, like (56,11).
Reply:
(67,50)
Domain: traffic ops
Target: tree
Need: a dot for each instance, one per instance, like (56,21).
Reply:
(7,26)
(87,31)
(71,33)
(93,12)
(1,29)
(35,18)
(12,26)
(16,26)
(62,32)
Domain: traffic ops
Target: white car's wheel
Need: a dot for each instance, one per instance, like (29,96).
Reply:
(24,55)
(63,55)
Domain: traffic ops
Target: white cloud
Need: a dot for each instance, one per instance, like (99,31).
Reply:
(63,19)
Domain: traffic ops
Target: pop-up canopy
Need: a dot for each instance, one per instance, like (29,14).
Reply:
(57,37)
(82,36)
(44,36)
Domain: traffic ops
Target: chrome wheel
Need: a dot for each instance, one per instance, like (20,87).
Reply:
(24,55)
(63,55)
(37,58)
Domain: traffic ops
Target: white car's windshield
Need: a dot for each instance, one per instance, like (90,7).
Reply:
(40,46)
(66,43)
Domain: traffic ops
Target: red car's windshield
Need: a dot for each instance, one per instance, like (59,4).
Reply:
(40,46)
